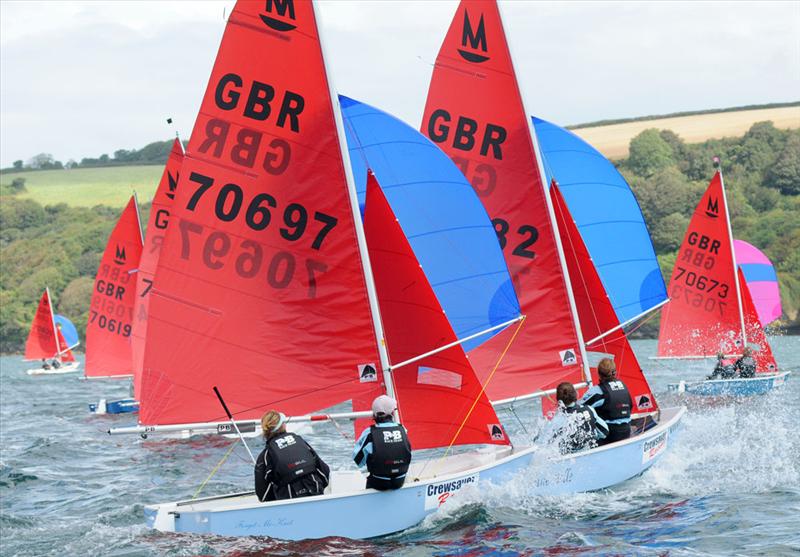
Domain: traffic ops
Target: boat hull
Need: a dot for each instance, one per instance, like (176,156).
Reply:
(71,367)
(732,387)
(122,406)
(355,512)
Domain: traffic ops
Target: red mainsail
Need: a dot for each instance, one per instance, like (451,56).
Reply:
(435,393)
(41,341)
(475,113)
(259,287)
(756,338)
(108,331)
(66,353)
(596,314)
(703,315)
(156,228)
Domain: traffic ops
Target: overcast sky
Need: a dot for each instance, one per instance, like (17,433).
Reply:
(80,79)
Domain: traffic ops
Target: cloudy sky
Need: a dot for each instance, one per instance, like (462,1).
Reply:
(84,78)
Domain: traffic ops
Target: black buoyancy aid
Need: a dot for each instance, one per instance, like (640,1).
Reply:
(583,432)
(291,458)
(747,367)
(390,452)
(616,401)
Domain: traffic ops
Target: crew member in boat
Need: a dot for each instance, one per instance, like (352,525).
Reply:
(576,426)
(384,448)
(45,365)
(723,369)
(612,401)
(288,467)
(56,363)
(746,365)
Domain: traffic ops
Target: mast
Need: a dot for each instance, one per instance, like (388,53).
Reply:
(357,222)
(550,213)
(733,256)
(53,321)
(138,216)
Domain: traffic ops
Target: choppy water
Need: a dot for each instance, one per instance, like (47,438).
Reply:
(730,484)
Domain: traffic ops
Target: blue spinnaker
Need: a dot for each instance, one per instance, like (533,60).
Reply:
(440,214)
(608,217)
(67,329)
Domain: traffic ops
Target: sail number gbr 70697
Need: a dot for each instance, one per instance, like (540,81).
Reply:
(229,204)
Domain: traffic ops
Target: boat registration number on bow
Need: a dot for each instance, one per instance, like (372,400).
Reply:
(436,494)
(654,447)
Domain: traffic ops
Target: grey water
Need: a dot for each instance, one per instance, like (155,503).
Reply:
(729,485)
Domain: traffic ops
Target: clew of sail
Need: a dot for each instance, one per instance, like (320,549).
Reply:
(475,113)
(108,331)
(42,342)
(704,315)
(435,393)
(259,287)
(756,338)
(156,227)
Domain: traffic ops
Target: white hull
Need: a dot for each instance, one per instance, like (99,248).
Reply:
(71,367)
(350,510)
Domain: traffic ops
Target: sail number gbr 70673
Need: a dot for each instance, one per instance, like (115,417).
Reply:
(230,204)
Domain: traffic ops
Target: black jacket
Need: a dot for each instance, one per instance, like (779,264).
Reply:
(270,488)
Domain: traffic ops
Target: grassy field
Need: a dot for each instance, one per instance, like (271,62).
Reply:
(613,140)
(87,187)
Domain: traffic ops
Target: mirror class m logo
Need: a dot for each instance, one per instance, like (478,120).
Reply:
(119,255)
(712,209)
(277,14)
(474,39)
(172,185)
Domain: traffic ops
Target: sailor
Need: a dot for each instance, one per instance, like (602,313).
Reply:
(56,363)
(746,365)
(723,369)
(612,401)
(576,426)
(288,467)
(45,365)
(383,448)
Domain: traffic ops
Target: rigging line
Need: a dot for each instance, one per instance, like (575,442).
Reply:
(514,412)
(480,394)
(214,471)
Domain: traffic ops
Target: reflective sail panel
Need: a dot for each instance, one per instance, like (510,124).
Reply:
(436,393)
(259,288)
(609,219)
(474,112)
(595,311)
(762,281)
(756,338)
(702,317)
(156,228)
(41,342)
(108,331)
(442,218)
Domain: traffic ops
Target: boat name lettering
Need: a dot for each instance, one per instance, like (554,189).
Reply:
(228,93)
(492,136)
(558,478)
(437,494)
(651,448)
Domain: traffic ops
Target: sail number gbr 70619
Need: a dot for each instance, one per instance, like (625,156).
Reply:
(230,204)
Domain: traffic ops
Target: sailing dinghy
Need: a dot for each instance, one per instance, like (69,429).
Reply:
(711,310)
(46,341)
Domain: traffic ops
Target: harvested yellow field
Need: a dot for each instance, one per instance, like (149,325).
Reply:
(613,140)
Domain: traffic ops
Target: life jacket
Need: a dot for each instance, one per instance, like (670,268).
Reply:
(391,454)
(291,458)
(747,367)
(581,429)
(616,401)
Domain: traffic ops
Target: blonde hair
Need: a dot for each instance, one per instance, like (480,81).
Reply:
(606,368)
(269,422)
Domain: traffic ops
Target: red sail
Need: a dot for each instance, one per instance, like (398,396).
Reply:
(156,228)
(702,317)
(434,394)
(595,312)
(475,114)
(260,288)
(108,332)
(66,353)
(41,341)
(756,339)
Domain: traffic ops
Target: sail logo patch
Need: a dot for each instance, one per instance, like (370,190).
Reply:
(654,447)
(712,209)
(367,373)
(568,357)
(473,39)
(172,184)
(643,402)
(119,255)
(280,8)
(436,494)
(496,432)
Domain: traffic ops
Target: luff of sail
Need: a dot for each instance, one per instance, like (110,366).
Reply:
(596,311)
(108,331)
(703,316)
(156,227)
(435,394)
(259,288)
(41,342)
(475,113)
